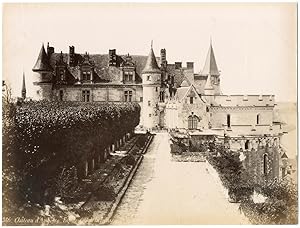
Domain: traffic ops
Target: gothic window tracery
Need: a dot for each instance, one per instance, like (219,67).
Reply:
(193,122)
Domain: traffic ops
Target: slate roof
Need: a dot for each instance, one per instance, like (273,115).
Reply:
(181,92)
(42,62)
(102,72)
(151,64)
(210,66)
(185,83)
(177,73)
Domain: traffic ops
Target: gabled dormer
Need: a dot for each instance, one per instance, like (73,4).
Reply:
(86,69)
(128,67)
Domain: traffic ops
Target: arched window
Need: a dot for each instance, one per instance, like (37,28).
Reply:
(258,119)
(247,145)
(265,164)
(193,122)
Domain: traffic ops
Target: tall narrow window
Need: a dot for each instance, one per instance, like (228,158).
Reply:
(85,95)
(61,95)
(228,121)
(125,96)
(130,96)
(191,100)
(88,76)
(130,76)
(247,145)
(148,78)
(149,103)
(126,76)
(84,76)
(265,164)
(258,119)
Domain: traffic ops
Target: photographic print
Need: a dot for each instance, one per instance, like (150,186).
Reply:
(149,114)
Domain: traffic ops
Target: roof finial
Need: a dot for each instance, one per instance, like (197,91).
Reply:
(151,44)
(210,41)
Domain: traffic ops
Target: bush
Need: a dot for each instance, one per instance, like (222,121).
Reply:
(281,206)
(105,193)
(129,159)
(232,173)
(39,137)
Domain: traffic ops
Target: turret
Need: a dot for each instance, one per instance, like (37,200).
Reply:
(209,90)
(151,76)
(211,69)
(43,75)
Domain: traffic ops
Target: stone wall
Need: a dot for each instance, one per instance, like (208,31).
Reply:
(103,93)
(44,91)
(241,116)
(254,149)
(254,163)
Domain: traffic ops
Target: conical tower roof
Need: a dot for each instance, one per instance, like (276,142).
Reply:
(42,63)
(151,64)
(210,66)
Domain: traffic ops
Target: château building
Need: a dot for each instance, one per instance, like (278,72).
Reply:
(171,96)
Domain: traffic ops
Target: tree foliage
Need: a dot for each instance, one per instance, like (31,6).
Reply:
(40,137)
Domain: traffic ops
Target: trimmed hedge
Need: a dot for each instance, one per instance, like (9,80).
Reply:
(232,173)
(40,137)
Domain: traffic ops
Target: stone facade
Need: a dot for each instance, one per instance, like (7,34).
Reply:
(171,96)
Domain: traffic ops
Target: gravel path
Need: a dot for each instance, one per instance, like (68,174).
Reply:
(166,192)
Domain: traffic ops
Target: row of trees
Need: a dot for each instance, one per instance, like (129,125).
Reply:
(39,137)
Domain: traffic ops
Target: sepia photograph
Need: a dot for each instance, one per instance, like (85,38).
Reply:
(149,114)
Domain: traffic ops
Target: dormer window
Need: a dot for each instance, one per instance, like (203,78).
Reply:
(86,75)
(128,76)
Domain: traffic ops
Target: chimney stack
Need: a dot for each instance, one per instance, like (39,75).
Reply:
(178,65)
(163,57)
(50,50)
(112,57)
(190,65)
(72,56)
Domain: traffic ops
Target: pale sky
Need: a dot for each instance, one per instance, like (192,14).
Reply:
(255,44)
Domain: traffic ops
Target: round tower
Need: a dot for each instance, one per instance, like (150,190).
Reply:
(151,77)
(43,76)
